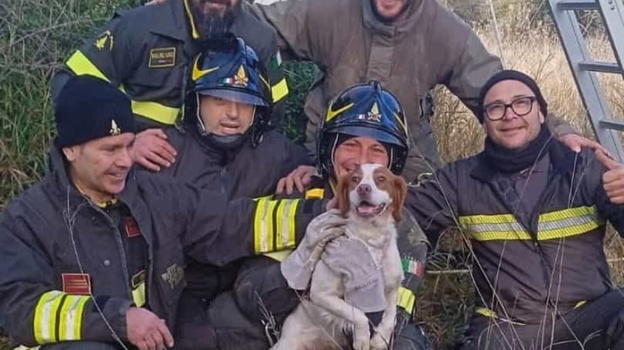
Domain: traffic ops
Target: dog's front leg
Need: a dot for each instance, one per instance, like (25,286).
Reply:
(327,294)
(394,274)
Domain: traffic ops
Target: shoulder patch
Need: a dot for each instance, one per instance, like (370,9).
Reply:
(106,40)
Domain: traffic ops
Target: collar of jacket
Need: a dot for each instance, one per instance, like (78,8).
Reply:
(67,192)
(169,19)
(371,22)
(561,157)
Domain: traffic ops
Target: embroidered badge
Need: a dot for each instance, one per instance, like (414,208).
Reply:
(105,40)
(173,275)
(132,228)
(162,57)
(115,130)
(373,115)
(76,283)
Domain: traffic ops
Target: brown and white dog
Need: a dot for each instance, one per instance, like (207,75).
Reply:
(371,197)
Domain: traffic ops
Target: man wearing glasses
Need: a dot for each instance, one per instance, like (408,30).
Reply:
(535,213)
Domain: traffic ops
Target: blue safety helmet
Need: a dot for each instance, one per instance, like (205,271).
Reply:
(364,110)
(229,69)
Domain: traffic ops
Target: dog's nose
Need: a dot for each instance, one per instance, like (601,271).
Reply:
(363,189)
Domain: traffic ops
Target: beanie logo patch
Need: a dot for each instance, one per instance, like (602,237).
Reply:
(105,40)
(373,115)
(115,130)
(162,57)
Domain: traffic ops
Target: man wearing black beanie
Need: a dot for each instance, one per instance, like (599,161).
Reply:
(93,255)
(534,212)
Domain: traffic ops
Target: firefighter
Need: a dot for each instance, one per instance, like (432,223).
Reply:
(224,146)
(410,46)
(147,52)
(94,253)
(535,214)
(364,124)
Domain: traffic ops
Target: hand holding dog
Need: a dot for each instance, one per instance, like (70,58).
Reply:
(298,267)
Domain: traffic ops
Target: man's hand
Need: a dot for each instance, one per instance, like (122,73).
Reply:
(146,330)
(575,142)
(613,178)
(297,267)
(298,178)
(152,151)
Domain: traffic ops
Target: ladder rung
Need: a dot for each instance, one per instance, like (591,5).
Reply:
(577,5)
(597,66)
(612,124)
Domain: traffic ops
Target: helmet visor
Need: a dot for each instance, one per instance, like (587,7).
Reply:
(235,96)
(363,131)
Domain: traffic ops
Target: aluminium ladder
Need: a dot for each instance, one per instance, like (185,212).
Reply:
(584,68)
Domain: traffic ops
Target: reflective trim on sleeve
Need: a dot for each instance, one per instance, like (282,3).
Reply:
(279,90)
(82,65)
(406,299)
(553,225)
(286,223)
(156,111)
(71,317)
(58,317)
(263,226)
(315,193)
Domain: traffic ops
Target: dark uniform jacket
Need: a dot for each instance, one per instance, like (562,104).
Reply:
(530,259)
(57,247)
(242,172)
(148,52)
(411,241)
(351,45)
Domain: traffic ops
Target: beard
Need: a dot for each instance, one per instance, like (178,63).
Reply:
(214,24)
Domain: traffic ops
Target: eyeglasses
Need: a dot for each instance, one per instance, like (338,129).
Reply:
(520,106)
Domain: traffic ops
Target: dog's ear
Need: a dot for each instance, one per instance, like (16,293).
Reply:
(342,194)
(399,189)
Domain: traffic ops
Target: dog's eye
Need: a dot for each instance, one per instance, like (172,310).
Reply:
(381,179)
(355,179)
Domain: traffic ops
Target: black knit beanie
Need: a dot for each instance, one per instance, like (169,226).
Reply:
(89,108)
(510,74)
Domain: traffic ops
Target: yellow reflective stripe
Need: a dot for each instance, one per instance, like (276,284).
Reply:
(155,111)
(281,230)
(279,256)
(263,226)
(45,316)
(82,65)
(194,31)
(279,90)
(292,223)
(259,233)
(286,211)
(315,193)
(553,225)
(484,311)
(138,294)
(406,299)
(71,317)
(22,347)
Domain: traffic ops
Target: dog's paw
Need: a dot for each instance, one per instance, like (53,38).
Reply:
(361,340)
(379,342)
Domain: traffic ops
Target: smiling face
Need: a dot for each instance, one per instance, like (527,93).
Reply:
(512,131)
(223,117)
(356,151)
(99,167)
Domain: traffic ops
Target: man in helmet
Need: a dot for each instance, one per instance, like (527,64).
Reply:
(410,46)
(147,51)
(364,124)
(224,146)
